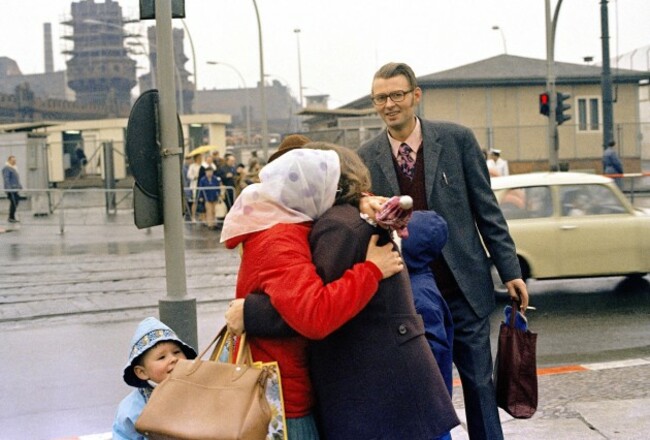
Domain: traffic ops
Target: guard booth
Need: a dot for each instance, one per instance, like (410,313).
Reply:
(32,161)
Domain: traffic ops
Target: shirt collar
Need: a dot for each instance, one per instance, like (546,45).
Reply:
(414,140)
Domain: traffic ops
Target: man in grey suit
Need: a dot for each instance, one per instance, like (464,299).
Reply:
(441,166)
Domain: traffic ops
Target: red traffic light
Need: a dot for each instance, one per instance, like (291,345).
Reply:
(544,103)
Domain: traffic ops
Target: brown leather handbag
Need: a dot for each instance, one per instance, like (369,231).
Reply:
(515,369)
(210,399)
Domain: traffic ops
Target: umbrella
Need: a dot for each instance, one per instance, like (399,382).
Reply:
(202,150)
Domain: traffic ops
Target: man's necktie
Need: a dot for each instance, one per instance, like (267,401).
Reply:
(405,161)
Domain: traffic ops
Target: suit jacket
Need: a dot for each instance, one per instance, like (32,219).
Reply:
(458,188)
(375,377)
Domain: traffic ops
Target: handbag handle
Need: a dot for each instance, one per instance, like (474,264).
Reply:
(513,313)
(223,337)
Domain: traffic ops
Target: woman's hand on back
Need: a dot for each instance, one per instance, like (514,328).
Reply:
(384,257)
(371,205)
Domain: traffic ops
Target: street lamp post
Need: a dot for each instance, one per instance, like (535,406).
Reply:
(297,32)
(503,38)
(196,81)
(606,80)
(248,103)
(265,122)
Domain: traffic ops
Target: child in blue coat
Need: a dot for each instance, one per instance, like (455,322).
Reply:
(427,235)
(155,350)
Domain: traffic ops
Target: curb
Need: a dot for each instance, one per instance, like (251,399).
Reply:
(566,369)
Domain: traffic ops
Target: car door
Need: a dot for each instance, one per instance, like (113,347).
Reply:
(597,232)
(533,227)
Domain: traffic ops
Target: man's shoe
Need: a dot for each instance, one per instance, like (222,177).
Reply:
(13,220)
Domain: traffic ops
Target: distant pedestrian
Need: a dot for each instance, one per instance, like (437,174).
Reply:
(228,174)
(210,195)
(11,180)
(192,177)
(496,165)
(611,163)
(155,349)
(82,161)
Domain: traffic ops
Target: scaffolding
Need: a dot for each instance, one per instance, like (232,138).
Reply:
(99,69)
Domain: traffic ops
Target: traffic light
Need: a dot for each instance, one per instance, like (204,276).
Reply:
(544,103)
(143,152)
(561,107)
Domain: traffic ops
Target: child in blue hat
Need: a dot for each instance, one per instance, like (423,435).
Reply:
(427,235)
(155,350)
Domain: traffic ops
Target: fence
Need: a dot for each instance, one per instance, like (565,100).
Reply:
(100,206)
(82,207)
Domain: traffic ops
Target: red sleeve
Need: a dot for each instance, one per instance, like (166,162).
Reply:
(297,292)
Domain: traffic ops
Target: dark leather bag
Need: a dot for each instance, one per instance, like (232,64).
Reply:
(515,369)
(210,399)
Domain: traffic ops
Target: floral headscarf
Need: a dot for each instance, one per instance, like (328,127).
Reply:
(297,187)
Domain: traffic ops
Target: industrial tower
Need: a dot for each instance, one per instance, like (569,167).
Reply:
(99,68)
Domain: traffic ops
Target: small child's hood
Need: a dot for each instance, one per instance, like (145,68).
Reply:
(427,236)
(150,331)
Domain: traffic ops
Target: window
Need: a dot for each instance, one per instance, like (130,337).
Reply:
(532,202)
(580,200)
(588,114)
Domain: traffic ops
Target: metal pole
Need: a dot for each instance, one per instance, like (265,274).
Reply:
(109,178)
(503,38)
(550,88)
(248,97)
(553,139)
(196,81)
(606,80)
(297,31)
(265,122)
(176,310)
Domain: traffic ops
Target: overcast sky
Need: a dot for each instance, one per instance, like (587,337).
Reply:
(343,42)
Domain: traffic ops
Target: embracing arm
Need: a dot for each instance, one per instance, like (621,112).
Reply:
(299,297)
(257,317)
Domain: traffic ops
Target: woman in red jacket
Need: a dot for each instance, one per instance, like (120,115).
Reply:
(272,221)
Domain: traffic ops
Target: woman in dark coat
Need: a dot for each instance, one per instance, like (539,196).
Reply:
(375,377)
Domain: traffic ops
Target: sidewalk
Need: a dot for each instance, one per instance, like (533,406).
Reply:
(583,402)
(576,402)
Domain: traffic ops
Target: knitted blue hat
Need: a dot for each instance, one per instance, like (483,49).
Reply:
(150,331)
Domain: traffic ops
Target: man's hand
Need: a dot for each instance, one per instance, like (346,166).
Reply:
(519,292)
(235,317)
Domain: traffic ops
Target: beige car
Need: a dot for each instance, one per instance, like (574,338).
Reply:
(568,225)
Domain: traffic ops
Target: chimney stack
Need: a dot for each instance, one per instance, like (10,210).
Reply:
(47,47)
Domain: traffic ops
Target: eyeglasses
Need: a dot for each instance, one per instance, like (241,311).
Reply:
(396,96)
